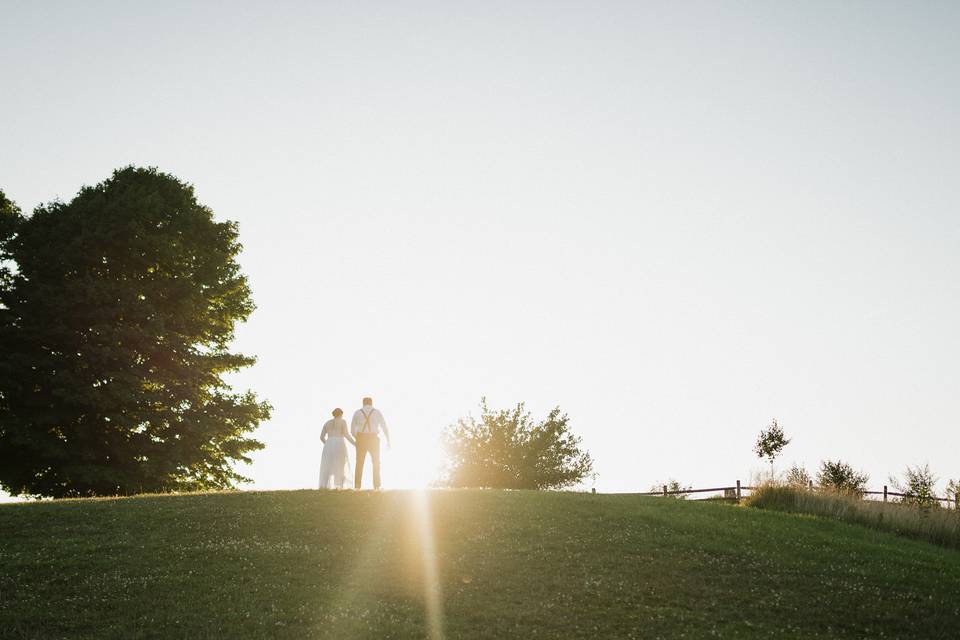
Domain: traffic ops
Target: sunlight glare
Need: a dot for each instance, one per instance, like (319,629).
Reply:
(431,584)
(413,462)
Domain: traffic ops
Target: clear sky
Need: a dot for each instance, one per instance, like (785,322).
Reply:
(674,220)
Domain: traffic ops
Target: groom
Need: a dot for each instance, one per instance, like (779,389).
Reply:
(366,426)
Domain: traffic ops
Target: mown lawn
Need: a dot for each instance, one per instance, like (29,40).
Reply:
(307,564)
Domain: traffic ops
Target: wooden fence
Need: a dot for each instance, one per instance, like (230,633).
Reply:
(735,492)
(886,492)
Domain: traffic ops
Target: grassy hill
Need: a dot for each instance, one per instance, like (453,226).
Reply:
(307,564)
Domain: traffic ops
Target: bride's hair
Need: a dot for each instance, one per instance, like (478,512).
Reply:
(337,412)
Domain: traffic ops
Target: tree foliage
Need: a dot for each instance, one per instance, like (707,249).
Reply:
(840,476)
(770,442)
(10,219)
(507,449)
(114,327)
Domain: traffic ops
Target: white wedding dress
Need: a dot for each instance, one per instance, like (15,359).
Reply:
(334,462)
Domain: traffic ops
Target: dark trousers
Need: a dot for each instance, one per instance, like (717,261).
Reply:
(368,443)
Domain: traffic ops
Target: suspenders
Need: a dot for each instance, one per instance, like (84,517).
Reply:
(366,420)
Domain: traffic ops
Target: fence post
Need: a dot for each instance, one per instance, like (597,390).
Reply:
(664,491)
(738,491)
(810,485)
(956,500)
(884,493)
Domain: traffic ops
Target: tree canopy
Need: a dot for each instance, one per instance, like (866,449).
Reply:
(770,442)
(507,449)
(116,314)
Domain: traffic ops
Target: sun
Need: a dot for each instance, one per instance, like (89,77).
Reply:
(413,462)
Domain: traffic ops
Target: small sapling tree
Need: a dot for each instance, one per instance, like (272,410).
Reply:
(770,443)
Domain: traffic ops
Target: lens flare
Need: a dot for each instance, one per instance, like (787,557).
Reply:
(394,558)
(421,508)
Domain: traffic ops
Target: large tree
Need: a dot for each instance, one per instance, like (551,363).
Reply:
(507,449)
(115,324)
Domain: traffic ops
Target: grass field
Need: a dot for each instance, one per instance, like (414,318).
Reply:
(460,564)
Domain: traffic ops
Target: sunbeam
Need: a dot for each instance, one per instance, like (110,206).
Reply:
(431,584)
(392,565)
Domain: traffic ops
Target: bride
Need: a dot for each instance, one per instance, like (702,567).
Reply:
(334,463)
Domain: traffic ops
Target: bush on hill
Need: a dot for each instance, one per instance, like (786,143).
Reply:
(507,449)
(840,476)
(921,484)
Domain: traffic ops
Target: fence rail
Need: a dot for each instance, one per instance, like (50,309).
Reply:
(955,500)
(738,489)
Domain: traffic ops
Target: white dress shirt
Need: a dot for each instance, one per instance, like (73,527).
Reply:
(368,420)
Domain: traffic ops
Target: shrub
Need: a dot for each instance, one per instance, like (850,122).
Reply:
(953,490)
(798,477)
(921,484)
(672,485)
(840,476)
(507,449)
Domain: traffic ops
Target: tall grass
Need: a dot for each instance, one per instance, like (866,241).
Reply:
(940,526)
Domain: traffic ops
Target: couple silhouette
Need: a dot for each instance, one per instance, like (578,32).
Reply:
(363,434)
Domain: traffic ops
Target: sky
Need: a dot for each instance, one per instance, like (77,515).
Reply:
(676,221)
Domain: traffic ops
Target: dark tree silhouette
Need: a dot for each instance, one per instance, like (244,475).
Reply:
(115,321)
(506,449)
